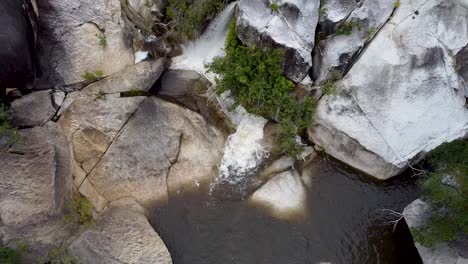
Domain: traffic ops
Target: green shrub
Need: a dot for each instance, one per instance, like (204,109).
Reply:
(255,80)
(93,76)
(8,256)
(190,15)
(347,27)
(274,7)
(102,40)
(397,4)
(59,256)
(329,87)
(81,210)
(8,135)
(449,203)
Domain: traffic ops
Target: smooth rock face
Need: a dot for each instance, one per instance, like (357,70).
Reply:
(284,195)
(337,51)
(334,12)
(35,178)
(163,146)
(69,40)
(417,214)
(121,236)
(403,97)
(292,27)
(139,77)
(34,109)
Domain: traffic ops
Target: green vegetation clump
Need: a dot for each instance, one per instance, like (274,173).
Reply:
(255,80)
(133,93)
(397,4)
(190,16)
(59,256)
(347,27)
(329,87)
(81,210)
(102,40)
(8,135)
(274,7)
(8,256)
(446,190)
(371,32)
(93,76)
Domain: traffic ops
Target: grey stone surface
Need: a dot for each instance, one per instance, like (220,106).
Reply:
(34,109)
(121,235)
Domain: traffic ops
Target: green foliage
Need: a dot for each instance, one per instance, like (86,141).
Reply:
(329,87)
(190,15)
(255,80)
(59,256)
(93,76)
(323,11)
(8,256)
(449,201)
(274,7)
(102,40)
(133,93)
(397,4)
(81,211)
(8,135)
(371,32)
(347,27)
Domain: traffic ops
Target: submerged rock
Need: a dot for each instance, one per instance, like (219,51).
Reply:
(417,214)
(81,36)
(121,235)
(403,97)
(291,27)
(284,195)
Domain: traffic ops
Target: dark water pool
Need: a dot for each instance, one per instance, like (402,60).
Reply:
(344,224)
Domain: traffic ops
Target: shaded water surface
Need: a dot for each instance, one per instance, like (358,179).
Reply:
(344,224)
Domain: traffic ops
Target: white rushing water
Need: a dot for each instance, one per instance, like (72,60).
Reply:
(243,152)
(209,45)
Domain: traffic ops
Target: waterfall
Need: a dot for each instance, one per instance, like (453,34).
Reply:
(243,152)
(209,45)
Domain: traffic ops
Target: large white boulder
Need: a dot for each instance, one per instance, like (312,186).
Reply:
(403,96)
(291,27)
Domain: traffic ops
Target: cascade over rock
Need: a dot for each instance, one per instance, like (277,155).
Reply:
(291,27)
(403,96)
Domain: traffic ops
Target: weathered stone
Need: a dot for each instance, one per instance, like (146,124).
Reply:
(70,40)
(284,195)
(121,235)
(403,97)
(87,190)
(139,77)
(91,124)
(338,51)
(416,215)
(292,28)
(162,147)
(144,13)
(34,109)
(190,89)
(333,12)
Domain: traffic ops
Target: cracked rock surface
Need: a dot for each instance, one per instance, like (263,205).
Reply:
(403,96)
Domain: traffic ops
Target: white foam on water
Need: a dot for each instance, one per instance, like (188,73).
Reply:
(211,44)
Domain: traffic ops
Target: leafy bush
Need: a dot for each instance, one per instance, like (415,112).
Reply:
(255,80)
(8,256)
(274,7)
(59,256)
(446,190)
(93,76)
(329,87)
(347,27)
(8,135)
(397,4)
(81,210)
(190,15)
